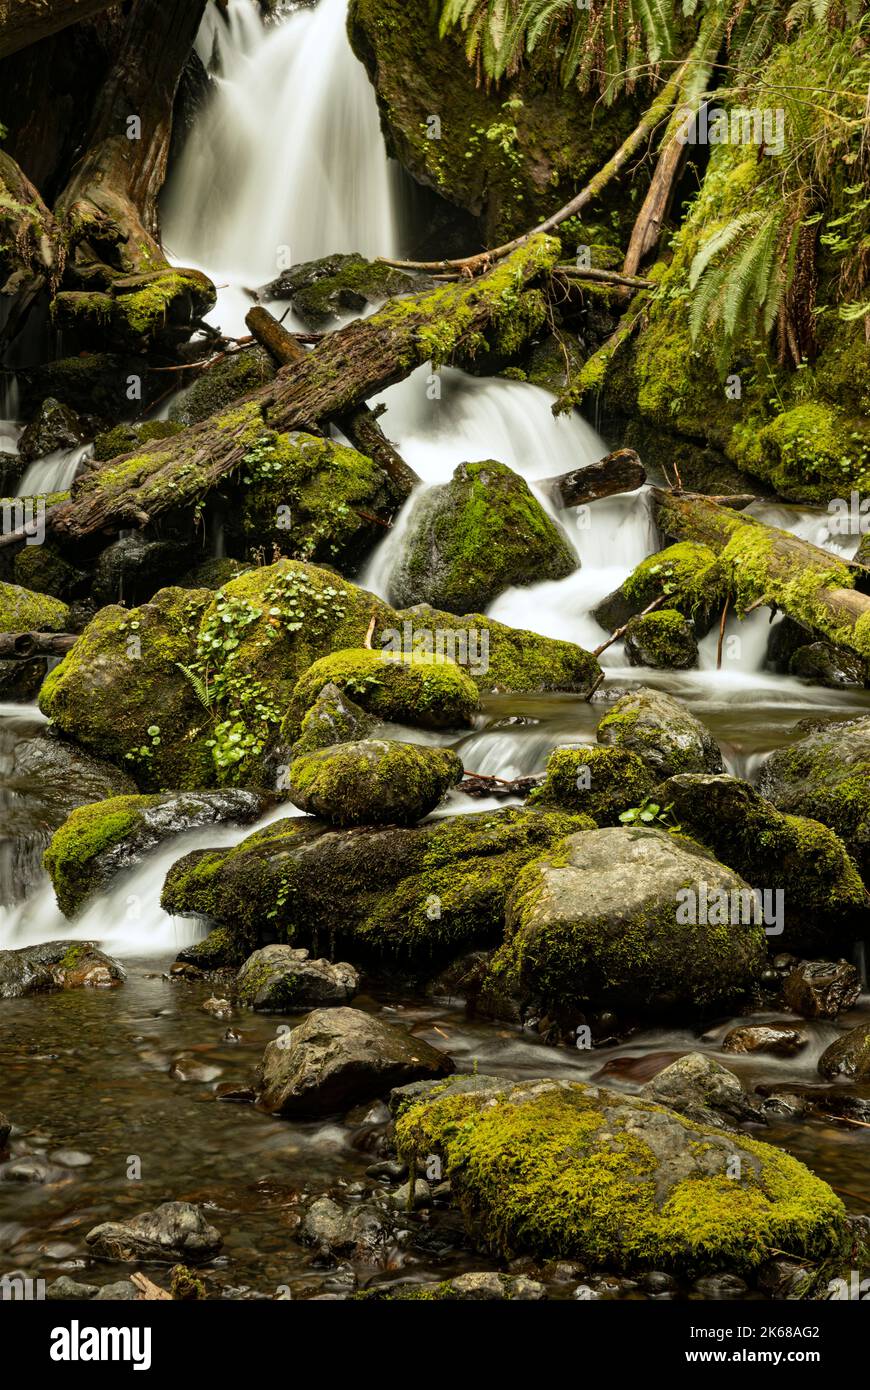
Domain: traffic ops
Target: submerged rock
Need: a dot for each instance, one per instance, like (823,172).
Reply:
(338,1057)
(278,979)
(57,965)
(662,732)
(99,841)
(485,1287)
(849,1056)
(173,1231)
(474,537)
(821,896)
(702,1089)
(826,775)
(602,919)
(358,1233)
(665,640)
(375,782)
(822,988)
(564,1170)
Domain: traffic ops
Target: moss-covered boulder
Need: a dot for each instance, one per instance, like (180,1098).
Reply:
(333,718)
(826,776)
(279,979)
(602,782)
(476,536)
(97,842)
(603,918)
(664,640)
(126,438)
(217,387)
(220,949)
(686,573)
(56,965)
(324,291)
(662,731)
(42,569)
(373,782)
(22,610)
(417,688)
(823,900)
(563,1170)
(415,897)
(54,427)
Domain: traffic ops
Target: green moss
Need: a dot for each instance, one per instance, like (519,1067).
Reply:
(663,640)
(563,1170)
(226,381)
(413,688)
(373,782)
(24,611)
(85,834)
(124,439)
(686,572)
(602,782)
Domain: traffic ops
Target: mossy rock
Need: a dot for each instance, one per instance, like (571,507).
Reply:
(602,782)
(44,570)
(596,921)
(324,291)
(313,498)
(664,640)
(219,950)
(124,439)
(22,610)
(687,573)
(139,312)
(55,965)
(823,897)
(416,689)
(414,897)
(333,718)
(476,536)
(661,731)
(220,385)
(97,842)
(91,382)
(563,1170)
(373,782)
(826,776)
(213,573)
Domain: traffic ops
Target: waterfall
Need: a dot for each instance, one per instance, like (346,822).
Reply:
(55,472)
(287,164)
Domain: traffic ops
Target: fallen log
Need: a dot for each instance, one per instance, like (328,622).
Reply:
(341,373)
(759,563)
(360,427)
(23,646)
(605,277)
(621,471)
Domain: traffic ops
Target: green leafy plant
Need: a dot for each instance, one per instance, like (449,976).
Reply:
(649,812)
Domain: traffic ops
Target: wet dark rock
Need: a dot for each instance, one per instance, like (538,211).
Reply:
(337,1057)
(784,1278)
(55,427)
(824,664)
(5,1130)
(781,1040)
(822,988)
(358,1232)
(848,1056)
(701,1088)
(67,1288)
(279,979)
(721,1286)
(840,1103)
(322,291)
(462,979)
(133,568)
(174,1231)
(57,965)
(784,1104)
(658,1282)
(389,1170)
(62,776)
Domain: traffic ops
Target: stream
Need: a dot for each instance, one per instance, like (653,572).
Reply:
(289,154)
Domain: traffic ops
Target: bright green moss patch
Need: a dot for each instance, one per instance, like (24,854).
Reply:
(562,1170)
(86,833)
(602,782)
(417,688)
(24,611)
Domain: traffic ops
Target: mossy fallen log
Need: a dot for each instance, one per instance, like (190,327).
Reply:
(450,323)
(761,564)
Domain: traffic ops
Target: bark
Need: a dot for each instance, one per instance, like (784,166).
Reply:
(23,22)
(360,426)
(122,287)
(625,279)
(332,381)
(31,248)
(23,646)
(621,471)
(764,565)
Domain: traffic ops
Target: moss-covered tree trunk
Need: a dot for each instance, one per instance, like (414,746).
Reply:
(121,288)
(31,251)
(758,563)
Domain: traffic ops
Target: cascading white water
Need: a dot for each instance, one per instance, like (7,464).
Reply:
(55,472)
(287,164)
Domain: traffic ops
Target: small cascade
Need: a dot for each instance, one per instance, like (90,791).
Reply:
(288,163)
(55,472)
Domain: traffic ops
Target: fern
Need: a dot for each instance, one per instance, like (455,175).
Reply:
(200,686)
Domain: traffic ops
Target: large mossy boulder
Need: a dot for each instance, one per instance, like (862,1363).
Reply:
(21,610)
(417,897)
(602,782)
(563,1170)
(664,640)
(97,842)
(823,900)
(470,539)
(416,688)
(662,732)
(373,782)
(685,573)
(339,1057)
(826,775)
(601,919)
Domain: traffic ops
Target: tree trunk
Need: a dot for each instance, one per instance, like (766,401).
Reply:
(23,22)
(332,381)
(122,289)
(31,249)
(764,565)
(23,646)
(621,471)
